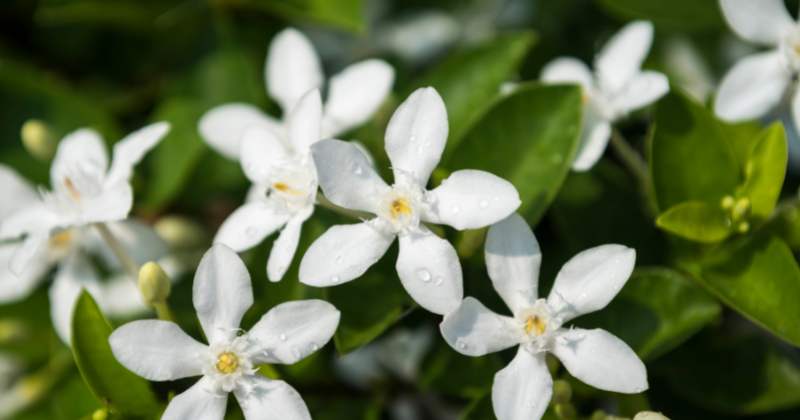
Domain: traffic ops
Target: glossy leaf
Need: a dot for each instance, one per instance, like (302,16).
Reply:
(107,379)
(765,170)
(528,138)
(680,14)
(697,221)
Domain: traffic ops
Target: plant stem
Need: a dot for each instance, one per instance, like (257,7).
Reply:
(323,201)
(119,251)
(637,167)
(163,311)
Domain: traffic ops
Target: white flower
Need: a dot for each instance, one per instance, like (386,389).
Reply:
(292,70)
(759,82)
(427,265)
(161,351)
(586,283)
(284,187)
(618,87)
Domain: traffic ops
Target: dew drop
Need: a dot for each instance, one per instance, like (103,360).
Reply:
(424,275)
(335,279)
(495,198)
(358,170)
(412,139)
(338,258)
(461,344)
(314,347)
(483,204)
(283,337)
(455,209)
(251,231)
(439,280)
(296,353)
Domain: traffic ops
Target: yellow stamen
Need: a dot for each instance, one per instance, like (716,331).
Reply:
(285,188)
(61,239)
(399,207)
(535,324)
(227,363)
(73,191)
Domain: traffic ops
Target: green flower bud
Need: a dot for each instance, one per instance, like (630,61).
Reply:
(727,202)
(650,415)
(740,209)
(154,283)
(562,391)
(100,414)
(38,139)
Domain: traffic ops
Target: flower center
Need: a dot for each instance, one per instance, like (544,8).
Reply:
(61,239)
(400,208)
(535,324)
(227,363)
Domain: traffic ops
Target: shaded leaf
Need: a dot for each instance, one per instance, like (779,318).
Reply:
(696,221)
(764,171)
(675,14)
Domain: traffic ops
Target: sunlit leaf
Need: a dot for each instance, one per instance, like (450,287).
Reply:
(696,221)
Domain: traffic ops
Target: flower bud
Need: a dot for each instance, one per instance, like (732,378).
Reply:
(38,139)
(154,283)
(650,415)
(100,414)
(562,391)
(727,202)
(740,209)
(743,227)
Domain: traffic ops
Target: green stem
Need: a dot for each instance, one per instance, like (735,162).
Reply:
(637,166)
(323,201)
(163,311)
(119,251)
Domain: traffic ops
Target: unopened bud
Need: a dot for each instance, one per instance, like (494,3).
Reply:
(564,411)
(740,209)
(650,415)
(38,139)
(743,227)
(154,283)
(100,414)
(562,391)
(727,202)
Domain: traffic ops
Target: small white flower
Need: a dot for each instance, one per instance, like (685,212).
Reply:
(759,82)
(427,265)
(293,69)
(161,351)
(618,87)
(586,283)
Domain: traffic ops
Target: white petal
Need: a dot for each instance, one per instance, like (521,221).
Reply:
(112,205)
(601,360)
(594,139)
(18,193)
(292,68)
(474,330)
(343,253)
(130,150)
(588,281)
(752,87)
(80,149)
(430,272)
(355,94)
(470,199)
(74,274)
(796,108)
(140,241)
(157,350)
(283,249)
(248,225)
(222,293)
(346,176)
(644,89)
(304,122)
(291,331)
(623,55)
(416,135)
(567,70)
(762,22)
(522,390)
(513,259)
(32,248)
(266,399)
(199,402)
(120,297)
(262,151)
(14,287)
(35,217)
(223,127)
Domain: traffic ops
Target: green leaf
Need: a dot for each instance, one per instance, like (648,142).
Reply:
(764,171)
(697,221)
(469,81)
(344,14)
(656,311)
(528,138)
(450,373)
(107,379)
(690,158)
(758,277)
(674,14)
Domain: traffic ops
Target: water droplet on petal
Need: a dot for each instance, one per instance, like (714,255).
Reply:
(296,353)
(455,209)
(335,279)
(412,139)
(461,344)
(251,231)
(314,347)
(283,337)
(338,258)
(483,204)
(439,280)
(424,275)
(495,198)
(358,170)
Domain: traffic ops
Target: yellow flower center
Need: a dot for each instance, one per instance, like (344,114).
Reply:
(227,363)
(399,207)
(286,188)
(535,324)
(61,239)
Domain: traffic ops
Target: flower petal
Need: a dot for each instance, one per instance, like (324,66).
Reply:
(14,287)
(262,151)
(248,225)
(140,241)
(32,248)
(199,402)
(112,205)
(74,274)
(35,217)
(752,87)
(644,89)
(292,331)
(130,150)
(80,149)
(343,253)
(346,176)
(222,127)
(470,199)
(266,399)
(355,94)
(283,249)
(119,296)
(416,135)
(474,330)
(18,193)
(761,22)
(222,293)
(623,55)
(594,139)
(157,350)
(522,390)
(601,360)
(292,68)
(430,272)
(513,259)
(588,281)
(567,70)
(304,122)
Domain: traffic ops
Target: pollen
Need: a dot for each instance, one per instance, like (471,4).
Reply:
(535,324)
(285,188)
(227,363)
(399,208)
(61,239)
(71,189)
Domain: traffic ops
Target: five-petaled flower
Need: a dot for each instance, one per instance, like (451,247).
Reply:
(586,283)
(759,82)
(427,265)
(618,87)
(160,351)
